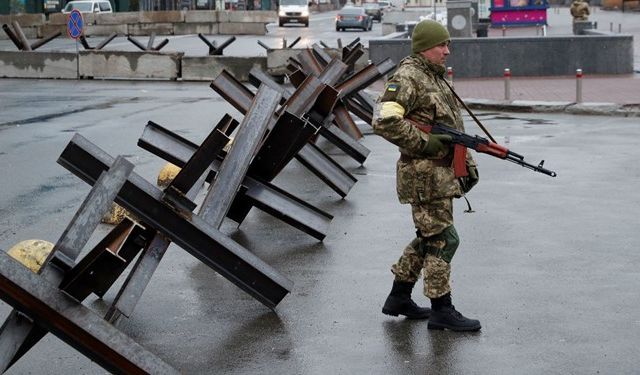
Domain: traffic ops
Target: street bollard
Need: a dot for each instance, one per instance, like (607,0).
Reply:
(450,74)
(619,28)
(504,30)
(578,85)
(611,26)
(507,84)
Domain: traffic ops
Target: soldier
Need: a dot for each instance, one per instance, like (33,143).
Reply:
(580,10)
(416,93)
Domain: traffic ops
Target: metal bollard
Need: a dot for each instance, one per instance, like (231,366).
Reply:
(507,84)
(450,74)
(611,26)
(619,28)
(578,85)
(504,30)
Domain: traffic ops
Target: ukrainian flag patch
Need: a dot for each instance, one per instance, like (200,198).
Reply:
(392,87)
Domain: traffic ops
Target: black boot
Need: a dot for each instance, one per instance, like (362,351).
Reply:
(399,302)
(445,315)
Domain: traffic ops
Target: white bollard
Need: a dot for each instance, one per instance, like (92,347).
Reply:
(450,74)
(507,84)
(578,85)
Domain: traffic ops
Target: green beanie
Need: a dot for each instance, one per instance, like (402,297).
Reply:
(428,34)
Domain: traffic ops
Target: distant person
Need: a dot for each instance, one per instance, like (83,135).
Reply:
(418,94)
(580,10)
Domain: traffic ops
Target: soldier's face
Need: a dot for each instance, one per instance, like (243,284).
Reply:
(438,54)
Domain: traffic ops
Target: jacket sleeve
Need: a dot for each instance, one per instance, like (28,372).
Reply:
(398,99)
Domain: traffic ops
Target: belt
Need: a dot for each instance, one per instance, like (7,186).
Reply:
(444,162)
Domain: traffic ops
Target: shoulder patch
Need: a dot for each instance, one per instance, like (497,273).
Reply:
(392,87)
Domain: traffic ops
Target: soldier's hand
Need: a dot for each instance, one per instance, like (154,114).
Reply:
(437,145)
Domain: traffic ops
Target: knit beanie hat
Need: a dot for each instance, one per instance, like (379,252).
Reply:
(428,34)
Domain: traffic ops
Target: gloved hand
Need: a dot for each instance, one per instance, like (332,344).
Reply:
(469,181)
(437,145)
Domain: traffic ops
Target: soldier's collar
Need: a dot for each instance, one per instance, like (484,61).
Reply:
(439,70)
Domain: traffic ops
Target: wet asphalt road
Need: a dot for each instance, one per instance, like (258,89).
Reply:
(549,265)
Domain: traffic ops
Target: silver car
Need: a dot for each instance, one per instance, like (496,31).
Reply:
(353,18)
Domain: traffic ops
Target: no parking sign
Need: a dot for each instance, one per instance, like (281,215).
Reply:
(75,24)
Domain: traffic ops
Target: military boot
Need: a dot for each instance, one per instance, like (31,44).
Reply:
(399,302)
(445,315)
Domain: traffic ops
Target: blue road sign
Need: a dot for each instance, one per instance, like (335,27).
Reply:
(75,24)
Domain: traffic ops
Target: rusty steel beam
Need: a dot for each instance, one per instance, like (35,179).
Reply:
(188,231)
(309,63)
(324,106)
(263,195)
(20,35)
(364,78)
(236,163)
(39,43)
(73,323)
(14,38)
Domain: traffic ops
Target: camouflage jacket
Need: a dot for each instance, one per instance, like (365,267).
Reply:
(418,87)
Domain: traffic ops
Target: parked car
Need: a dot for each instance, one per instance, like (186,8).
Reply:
(353,18)
(88,6)
(374,10)
(385,5)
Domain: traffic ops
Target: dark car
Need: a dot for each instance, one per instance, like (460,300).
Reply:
(374,10)
(353,18)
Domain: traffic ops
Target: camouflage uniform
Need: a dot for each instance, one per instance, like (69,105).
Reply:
(427,183)
(580,10)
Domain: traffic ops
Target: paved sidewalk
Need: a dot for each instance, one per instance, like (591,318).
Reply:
(613,95)
(617,95)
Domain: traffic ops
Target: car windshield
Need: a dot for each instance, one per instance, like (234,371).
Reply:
(83,7)
(371,6)
(351,11)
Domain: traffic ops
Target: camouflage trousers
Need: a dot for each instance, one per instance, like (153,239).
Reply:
(432,250)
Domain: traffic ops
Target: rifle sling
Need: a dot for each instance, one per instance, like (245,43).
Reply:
(470,113)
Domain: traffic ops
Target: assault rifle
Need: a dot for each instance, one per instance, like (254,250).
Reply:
(463,141)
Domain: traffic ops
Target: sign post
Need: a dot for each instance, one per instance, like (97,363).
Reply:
(75,28)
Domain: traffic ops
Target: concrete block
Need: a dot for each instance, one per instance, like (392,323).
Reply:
(395,16)
(240,28)
(104,30)
(277,60)
(31,32)
(208,68)
(205,28)
(487,57)
(138,29)
(265,16)
(200,16)
(59,65)
(388,28)
(119,18)
(61,19)
(363,61)
(169,16)
(45,30)
(24,19)
(130,65)
(57,19)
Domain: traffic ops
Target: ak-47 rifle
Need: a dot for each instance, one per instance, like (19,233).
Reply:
(463,141)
